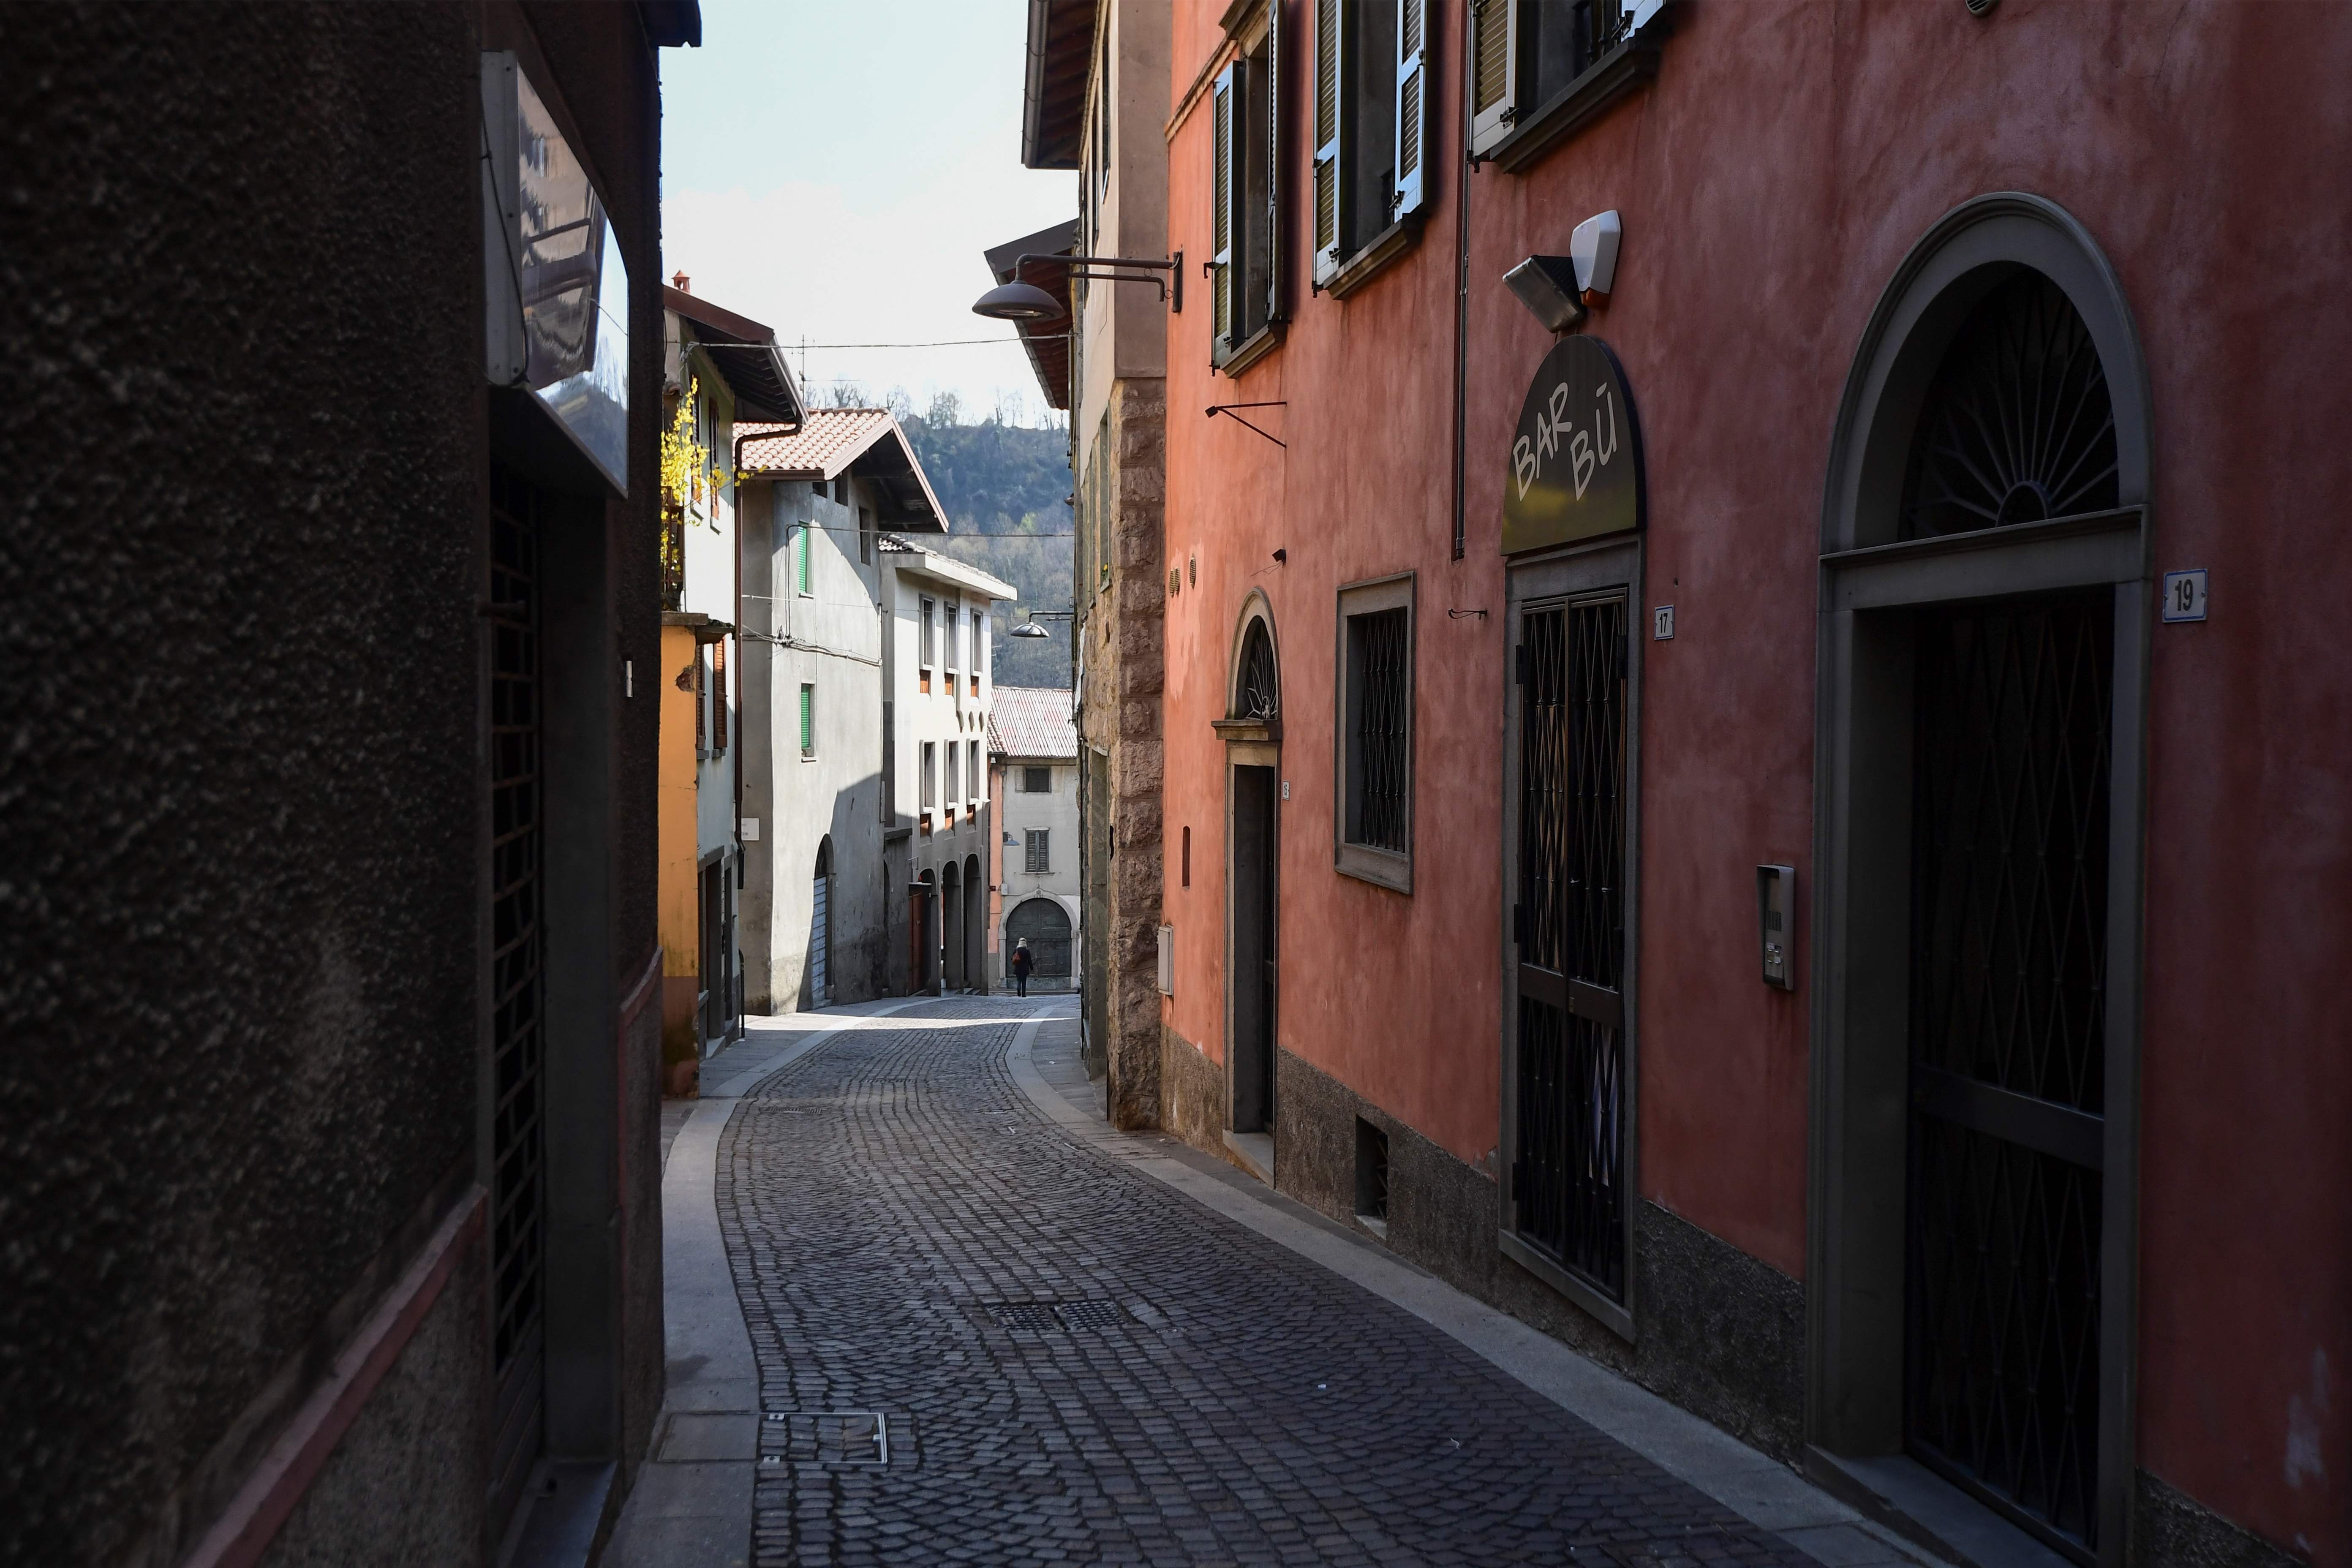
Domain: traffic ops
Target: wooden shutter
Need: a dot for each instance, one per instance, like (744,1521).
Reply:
(1412,114)
(1495,34)
(1222,214)
(701,701)
(800,556)
(1273,151)
(808,721)
(1330,118)
(718,695)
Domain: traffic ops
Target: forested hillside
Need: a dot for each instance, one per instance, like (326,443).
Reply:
(1002,485)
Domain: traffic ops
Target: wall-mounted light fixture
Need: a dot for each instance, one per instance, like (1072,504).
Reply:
(1022,301)
(1546,285)
(1559,290)
(1030,628)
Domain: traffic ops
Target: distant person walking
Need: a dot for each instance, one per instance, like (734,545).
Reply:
(1022,963)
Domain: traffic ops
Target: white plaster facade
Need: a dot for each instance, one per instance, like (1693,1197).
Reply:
(937,675)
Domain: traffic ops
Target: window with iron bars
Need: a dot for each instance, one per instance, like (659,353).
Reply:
(1374,809)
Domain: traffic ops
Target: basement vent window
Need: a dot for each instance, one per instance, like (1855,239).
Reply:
(1372,1177)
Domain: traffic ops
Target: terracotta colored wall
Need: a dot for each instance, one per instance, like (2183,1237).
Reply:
(1770,182)
(680,906)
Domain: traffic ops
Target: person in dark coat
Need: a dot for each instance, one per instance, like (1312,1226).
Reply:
(1022,963)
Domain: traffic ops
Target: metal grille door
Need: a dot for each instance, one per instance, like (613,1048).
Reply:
(820,942)
(517,1141)
(2008,1036)
(1567,1179)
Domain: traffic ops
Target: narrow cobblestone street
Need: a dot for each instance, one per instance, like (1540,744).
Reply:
(980,1339)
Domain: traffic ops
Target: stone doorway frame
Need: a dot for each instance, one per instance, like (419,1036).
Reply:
(1871,586)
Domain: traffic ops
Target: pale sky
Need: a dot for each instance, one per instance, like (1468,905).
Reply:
(835,170)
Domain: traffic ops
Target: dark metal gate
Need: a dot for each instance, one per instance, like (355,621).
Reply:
(1567,1177)
(518,1242)
(2008,1046)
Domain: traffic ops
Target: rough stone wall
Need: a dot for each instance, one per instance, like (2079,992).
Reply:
(239,881)
(383,1498)
(1120,712)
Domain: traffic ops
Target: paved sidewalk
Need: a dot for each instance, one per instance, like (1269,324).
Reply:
(987,1329)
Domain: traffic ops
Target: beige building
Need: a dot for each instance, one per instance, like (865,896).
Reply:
(1096,101)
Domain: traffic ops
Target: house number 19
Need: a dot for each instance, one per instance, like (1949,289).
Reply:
(2184,595)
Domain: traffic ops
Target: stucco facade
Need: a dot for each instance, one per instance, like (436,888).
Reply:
(1782,181)
(261,930)
(936,668)
(1034,780)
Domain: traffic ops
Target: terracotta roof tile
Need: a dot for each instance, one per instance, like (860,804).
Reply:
(829,440)
(1032,722)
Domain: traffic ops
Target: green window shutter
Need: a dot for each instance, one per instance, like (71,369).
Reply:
(808,721)
(1495,34)
(1409,188)
(1222,214)
(1331,126)
(800,556)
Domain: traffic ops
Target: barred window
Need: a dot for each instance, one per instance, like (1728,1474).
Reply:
(1374,811)
(1036,781)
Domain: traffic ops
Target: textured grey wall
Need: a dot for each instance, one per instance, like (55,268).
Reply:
(239,299)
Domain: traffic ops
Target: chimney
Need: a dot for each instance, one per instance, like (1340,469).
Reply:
(681,282)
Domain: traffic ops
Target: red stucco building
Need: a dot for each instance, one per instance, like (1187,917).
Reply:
(2004,1185)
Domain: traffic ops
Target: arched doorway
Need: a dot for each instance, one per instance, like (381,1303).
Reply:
(1044,925)
(975,924)
(1978,854)
(951,926)
(819,942)
(1251,731)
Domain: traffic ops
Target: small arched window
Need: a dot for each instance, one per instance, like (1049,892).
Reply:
(1257,693)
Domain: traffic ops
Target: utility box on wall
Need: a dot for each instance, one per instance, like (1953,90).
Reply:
(1775,902)
(1167,961)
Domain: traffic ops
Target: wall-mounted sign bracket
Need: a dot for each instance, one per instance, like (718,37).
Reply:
(1227,410)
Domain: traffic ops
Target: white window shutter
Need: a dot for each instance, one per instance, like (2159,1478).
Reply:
(1495,74)
(1274,253)
(1330,116)
(1413,115)
(1220,216)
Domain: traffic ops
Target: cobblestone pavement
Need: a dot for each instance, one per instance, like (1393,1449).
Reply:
(980,1341)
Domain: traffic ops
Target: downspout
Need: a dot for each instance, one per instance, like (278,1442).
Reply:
(1462,284)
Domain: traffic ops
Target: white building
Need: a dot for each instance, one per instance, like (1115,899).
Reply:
(717,367)
(935,673)
(818,901)
(1032,745)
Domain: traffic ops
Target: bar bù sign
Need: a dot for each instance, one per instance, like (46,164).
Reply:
(1576,457)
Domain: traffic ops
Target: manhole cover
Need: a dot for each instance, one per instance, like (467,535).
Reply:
(1056,1317)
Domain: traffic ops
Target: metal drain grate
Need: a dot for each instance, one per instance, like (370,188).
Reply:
(853,1437)
(1056,1317)
(1092,1315)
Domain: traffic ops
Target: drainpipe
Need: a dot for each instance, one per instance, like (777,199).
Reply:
(1462,280)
